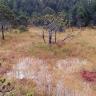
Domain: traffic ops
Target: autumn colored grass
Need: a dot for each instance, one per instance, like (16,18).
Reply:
(30,44)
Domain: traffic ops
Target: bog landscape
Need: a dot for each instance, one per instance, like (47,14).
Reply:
(47,48)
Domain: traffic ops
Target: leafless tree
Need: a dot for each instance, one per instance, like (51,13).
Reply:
(51,28)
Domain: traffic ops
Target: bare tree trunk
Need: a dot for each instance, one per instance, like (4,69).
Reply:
(3,37)
(50,37)
(44,37)
(55,36)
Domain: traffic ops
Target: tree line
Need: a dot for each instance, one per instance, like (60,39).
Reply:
(67,13)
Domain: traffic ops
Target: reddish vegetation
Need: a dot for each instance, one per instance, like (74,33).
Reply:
(3,70)
(89,76)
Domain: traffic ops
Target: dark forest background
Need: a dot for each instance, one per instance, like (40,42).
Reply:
(78,13)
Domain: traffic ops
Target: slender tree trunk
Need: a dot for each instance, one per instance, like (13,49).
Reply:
(55,36)
(44,37)
(50,37)
(3,37)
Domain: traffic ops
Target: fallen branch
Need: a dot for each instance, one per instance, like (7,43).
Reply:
(68,36)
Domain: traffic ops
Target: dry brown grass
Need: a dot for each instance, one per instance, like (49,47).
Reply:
(82,45)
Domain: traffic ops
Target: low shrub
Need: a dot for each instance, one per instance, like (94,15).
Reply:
(22,28)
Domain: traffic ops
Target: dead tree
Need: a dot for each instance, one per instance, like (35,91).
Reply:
(48,28)
(52,28)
